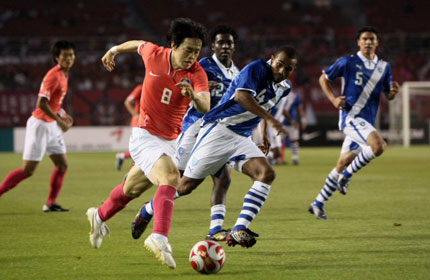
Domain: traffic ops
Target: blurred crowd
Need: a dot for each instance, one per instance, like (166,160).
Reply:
(322,30)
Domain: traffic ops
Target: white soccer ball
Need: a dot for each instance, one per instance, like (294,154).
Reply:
(207,257)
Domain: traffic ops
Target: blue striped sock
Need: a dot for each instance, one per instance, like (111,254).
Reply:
(360,161)
(252,204)
(328,189)
(217,218)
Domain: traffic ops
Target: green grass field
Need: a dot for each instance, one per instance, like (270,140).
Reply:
(380,230)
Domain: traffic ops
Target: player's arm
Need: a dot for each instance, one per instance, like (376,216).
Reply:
(42,103)
(337,101)
(302,117)
(248,102)
(109,58)
(266,141)
(202,100)
(129,105)
(394,90)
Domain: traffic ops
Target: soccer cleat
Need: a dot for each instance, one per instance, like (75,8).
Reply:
(342,184)
(163,251)
(243,237)
(54,208)
(139,224)
(319,212)
(295,162)
(119,160)
(219,236)
(98,231)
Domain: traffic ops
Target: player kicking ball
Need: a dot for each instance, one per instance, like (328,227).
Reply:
(365,76)
(173,79)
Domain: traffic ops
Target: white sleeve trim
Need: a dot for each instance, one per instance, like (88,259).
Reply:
(44,95)
(138,48)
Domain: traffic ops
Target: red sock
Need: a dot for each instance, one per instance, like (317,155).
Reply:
(163,209)
(56,183)
(115,203)
(12,180)
(127,155)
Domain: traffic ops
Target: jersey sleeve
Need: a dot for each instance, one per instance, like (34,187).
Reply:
(200,81)
(135,94)
(388,79)
(48,85)
(336,70)
(146,49)
(248,79)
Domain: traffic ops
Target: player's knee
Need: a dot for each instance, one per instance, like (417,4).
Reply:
(62,166)
(171,179)
(268,175)
(379,147)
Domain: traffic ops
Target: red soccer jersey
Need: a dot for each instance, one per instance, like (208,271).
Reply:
(135,97)
(162,106)
(53,87)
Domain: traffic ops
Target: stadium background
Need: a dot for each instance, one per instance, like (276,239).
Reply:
(322,30)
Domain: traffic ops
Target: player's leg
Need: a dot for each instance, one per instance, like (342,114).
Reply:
(56,183)
(221,181)
(36,140)
(372,143)
(120,157)
(294,134)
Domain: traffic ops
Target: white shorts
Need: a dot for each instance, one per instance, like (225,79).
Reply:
(275,140)
(145,148)
(293,133)
(185,144)
(41,137)
(357,131)
(217,145)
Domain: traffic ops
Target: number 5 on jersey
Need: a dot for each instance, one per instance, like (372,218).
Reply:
(167,94)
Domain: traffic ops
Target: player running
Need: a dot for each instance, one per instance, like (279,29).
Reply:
(173,79)
(43,129)
(221,71)
(365,77)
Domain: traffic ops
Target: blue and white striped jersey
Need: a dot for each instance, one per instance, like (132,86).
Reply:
(257,79)
(217,72)
(290,104)
(363,81)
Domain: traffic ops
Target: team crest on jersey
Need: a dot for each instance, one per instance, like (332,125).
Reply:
(186,80)
(380,69)
(181,151)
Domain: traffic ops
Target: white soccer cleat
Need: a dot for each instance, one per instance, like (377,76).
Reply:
(98,231)
(162,251)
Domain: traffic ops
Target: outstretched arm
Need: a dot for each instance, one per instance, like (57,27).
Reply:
(108,59)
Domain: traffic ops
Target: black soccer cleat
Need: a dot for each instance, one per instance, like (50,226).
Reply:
(219,236)
(243,237)
(139,224)
(54,208)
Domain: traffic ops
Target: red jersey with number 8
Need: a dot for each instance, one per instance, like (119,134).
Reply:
(54,87)
(162,106)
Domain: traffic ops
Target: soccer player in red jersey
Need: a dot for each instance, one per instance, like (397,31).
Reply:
(132,103)
(173,79)
(43,130)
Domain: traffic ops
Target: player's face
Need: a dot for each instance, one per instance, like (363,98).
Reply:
(368,42)
(66,59)
(223,47)
(187,53)
(282,66)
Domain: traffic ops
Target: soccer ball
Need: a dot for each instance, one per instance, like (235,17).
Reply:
(207,257)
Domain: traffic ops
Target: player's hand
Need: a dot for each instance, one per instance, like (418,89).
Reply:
(265,145)
(108,60)
(278,126)
(394,90)
(295,124)
(186,89)
(64,124)
(339,102)
(303,123)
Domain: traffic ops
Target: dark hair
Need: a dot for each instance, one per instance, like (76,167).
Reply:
(290,51)
(61,45)
(224,29)
(366,29)
(182,28)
